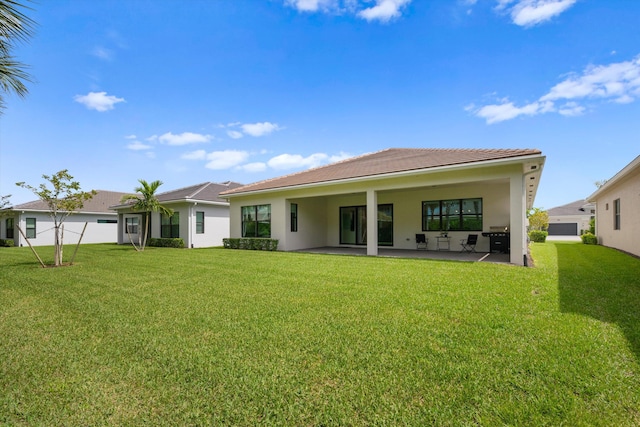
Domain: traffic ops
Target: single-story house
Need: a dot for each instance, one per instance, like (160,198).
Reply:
(617,207)
(456,192)
(200,218)
(34,220)
(571,219)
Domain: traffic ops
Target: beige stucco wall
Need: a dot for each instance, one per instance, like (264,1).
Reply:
(627,238)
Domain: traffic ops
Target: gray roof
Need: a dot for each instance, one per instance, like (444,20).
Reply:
(207,192)
(98,203)
(573,208)
(204,192)
(383,162)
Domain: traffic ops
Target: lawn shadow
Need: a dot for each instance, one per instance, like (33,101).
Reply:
(601,283)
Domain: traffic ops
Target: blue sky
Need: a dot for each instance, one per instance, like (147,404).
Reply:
(194,91)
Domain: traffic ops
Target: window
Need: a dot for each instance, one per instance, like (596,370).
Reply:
(353,225)
(256,221)
(452,215)
(199,222)
(131,225)
(31,228)
(9,224)
(616,214)
(170,226)
(107,221)
(385,225)
(294,217)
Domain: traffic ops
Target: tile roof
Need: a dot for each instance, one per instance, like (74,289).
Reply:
(206,191)
(98,203)
(384,162)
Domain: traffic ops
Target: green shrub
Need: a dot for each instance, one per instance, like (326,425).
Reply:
(538,236)
(167,242)
(589,239)
(6,243)
(251,243)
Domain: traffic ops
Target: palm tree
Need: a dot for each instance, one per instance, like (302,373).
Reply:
(146,201)
(14,26)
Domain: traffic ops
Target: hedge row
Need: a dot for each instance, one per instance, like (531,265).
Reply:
(6,243)
(251,243)
(166,242)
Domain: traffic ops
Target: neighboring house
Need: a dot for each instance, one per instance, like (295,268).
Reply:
(34,220)
(617,210)
(571,219)
(404,191)
(201,216)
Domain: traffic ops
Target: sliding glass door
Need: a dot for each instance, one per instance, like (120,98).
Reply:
(353,225)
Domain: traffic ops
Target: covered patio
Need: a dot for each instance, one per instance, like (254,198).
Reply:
(500,258)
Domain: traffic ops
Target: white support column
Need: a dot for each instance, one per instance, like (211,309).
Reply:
(518,217)
(372,222)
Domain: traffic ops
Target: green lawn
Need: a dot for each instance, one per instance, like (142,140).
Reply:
(228,337)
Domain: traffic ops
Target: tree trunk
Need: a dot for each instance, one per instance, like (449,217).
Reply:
(57,258)
(146,229)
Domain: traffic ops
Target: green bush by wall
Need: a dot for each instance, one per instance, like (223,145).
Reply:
(589,239)
(538,236)
(251,243)
(166,243)
(6,243)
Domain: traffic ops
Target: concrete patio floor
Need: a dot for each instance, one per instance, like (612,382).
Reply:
(407,253)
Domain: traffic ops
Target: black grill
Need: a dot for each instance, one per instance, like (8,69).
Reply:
(499,242)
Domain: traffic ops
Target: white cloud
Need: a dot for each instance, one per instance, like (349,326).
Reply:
(195,155)
(98,101)
(528,13)
(138,146)
(384,10)
(506,111)
(225,159)
(294,161)
(254,167)
(102,53)
(259,129)
(618,82)
(310,5)
(571,109)
(339,157)
(184,138)
(234,134)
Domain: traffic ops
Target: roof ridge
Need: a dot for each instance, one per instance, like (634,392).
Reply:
(202,187)
(181,188)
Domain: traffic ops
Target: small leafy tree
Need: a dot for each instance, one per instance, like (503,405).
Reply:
(538,219)
(63,199)
(146,201)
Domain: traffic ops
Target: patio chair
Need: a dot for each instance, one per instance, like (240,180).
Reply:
(421,241)
(469,244)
